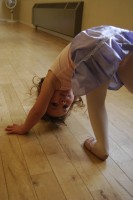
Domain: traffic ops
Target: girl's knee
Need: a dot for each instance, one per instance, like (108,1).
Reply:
(125,72)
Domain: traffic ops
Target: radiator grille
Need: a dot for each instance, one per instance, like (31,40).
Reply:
(64,18)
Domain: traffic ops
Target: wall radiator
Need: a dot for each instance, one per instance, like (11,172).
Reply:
(64,18)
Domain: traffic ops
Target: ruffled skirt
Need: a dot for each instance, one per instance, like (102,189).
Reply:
(96,54)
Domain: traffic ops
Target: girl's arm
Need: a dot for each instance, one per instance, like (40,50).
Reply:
(39,108)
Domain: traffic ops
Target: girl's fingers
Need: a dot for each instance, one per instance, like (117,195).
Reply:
(10,126)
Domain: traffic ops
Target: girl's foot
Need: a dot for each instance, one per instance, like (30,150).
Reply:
(91,145)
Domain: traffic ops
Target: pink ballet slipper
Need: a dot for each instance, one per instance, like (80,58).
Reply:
(89,145)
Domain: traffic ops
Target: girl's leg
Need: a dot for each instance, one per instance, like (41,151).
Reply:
(99,122)
(125,72)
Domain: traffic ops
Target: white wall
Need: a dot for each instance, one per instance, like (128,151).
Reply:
(96,12)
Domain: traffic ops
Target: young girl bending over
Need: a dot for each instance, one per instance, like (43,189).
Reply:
(97,59)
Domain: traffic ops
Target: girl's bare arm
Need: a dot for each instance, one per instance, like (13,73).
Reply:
(39,108)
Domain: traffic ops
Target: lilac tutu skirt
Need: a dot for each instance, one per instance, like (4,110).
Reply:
(96,54)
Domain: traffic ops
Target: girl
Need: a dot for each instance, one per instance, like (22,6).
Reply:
(97,59)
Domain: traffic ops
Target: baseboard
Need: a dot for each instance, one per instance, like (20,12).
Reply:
(50,32)
(8,20)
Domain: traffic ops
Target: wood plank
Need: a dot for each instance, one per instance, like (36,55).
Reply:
(25,97)
(127,167)
(4,114)
(125,182)
(35,157)
(119,180)
(47,139)
(3,188)
(70,181)
(94,180)
(14,105)
(47,187)
(18,181)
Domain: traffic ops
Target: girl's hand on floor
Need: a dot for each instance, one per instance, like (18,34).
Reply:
(15,129)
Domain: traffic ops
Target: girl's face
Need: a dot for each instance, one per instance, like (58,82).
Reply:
(60,103)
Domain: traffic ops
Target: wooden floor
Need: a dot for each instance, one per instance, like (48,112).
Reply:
(49,163)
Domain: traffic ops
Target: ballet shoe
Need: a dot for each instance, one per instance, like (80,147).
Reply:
(89,144)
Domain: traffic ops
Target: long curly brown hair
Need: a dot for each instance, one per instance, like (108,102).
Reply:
(58,120)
